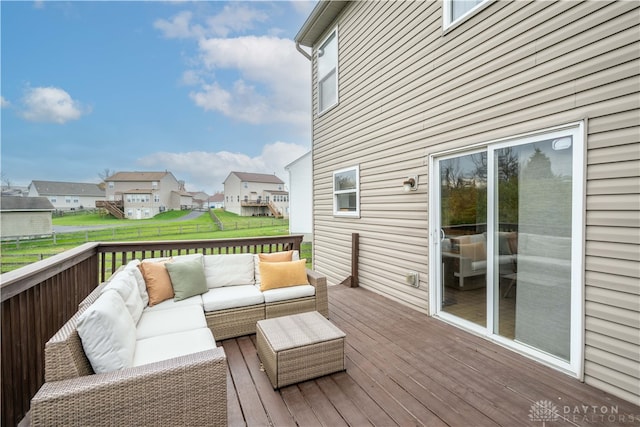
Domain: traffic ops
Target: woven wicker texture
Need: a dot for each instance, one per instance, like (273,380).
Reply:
(234,322)
(287,332)
(188,391)
(299,347)
(286,308)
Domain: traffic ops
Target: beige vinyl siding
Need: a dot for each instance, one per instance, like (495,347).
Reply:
(407,90)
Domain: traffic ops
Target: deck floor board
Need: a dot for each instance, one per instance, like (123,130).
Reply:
(407,369)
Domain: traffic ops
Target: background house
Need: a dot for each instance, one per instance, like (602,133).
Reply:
(466,103)
(301,196)
(67,196)
(255,194)
(25,216)
(139,195)
(199,199)
(216,201)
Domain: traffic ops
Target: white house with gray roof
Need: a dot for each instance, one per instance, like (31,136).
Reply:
(255,194)
(67,196)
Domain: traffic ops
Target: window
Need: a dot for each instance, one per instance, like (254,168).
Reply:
(346,192)
(67,199)
(156,198)
(328,72)
(53,200)
(154,184)
(455,10)
(111,184)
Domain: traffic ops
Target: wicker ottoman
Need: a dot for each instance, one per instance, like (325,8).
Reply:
(299,347)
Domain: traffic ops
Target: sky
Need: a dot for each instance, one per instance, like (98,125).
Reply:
(199,89)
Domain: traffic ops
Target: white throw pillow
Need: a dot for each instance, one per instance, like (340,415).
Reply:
(142,286)
(229,270)
(125,284)
(108,333)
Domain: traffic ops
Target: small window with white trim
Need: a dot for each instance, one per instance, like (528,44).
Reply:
(455,10)
(328,72)
(346,192)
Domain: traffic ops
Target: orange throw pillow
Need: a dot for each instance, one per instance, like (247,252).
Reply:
(158,281)
(275,275)
(276,256)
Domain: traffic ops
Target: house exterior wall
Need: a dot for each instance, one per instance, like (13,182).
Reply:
(133,209)
(25,223)
(238,192)
(67,202)
(301,196)
(408,89)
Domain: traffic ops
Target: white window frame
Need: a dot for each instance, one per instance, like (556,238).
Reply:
(334,33)
(336,211)
(447,13)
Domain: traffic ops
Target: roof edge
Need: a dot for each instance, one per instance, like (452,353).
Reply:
(323,14)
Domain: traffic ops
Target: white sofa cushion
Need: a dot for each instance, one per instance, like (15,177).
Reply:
(172,303)
(125,284)
(291,292)
(108,333)
(162,322)
(168,346)
(231,297)
(229,270)
(132,266)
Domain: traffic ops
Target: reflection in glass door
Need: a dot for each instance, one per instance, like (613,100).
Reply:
(509,258)
(463,220)
(532,241)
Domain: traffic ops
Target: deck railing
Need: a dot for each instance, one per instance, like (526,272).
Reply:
(39,298)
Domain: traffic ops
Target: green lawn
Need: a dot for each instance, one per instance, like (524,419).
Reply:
(165,226)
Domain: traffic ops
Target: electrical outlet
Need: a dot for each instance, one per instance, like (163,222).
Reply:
(412,279)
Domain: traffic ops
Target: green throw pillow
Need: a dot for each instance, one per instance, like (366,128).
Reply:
(187,278)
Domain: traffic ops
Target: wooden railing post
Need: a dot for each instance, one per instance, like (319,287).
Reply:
(355,249)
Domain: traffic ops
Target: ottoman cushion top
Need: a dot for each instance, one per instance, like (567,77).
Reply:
(298,330)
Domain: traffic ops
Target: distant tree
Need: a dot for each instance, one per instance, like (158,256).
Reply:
(6,181)
(106,173)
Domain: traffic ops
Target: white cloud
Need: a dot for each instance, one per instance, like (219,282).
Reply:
(51,105)
(3,102)
(234,18)
(207,170)
(255,79)
(179,27)
(273,81)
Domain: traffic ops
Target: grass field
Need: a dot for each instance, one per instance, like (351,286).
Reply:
(165,226)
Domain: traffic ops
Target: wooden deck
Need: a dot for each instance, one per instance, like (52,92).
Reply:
(404,368)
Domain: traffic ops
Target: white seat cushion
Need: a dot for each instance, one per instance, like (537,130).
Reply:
(168,346)
(171,304)
(163,322)
(108,333)
(290,292)
(229,270)
(231,297)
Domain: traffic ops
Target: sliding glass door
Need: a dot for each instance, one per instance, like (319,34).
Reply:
(508,230)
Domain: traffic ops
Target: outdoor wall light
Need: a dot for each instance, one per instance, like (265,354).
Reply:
(410,184)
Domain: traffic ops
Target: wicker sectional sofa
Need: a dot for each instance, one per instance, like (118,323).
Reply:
(178,374)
